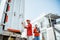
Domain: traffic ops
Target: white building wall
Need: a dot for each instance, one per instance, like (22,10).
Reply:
(15,15)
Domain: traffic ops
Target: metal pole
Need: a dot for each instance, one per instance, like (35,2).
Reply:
(52,26)
(50,20)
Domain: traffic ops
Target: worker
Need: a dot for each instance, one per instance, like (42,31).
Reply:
(36,33)
(29,29)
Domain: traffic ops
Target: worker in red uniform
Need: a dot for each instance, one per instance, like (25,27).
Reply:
(36,33)
(29,29)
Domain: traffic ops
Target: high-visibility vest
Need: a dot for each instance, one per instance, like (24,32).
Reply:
(36,33)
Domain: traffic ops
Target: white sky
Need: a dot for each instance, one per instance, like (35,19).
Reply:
(33,8)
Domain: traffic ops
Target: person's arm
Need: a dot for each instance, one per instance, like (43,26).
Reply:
(23,24)
(34,31)
(29,26)
(38,30)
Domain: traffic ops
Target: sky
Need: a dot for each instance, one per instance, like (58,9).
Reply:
(33,8)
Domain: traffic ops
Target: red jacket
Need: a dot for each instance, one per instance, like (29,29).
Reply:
(29,30)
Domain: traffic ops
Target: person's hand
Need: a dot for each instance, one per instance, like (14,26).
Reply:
(37,31)
(23,24)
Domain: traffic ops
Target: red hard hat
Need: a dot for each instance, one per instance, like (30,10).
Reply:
(27,20)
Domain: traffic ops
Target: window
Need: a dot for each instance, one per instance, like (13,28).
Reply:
(44,23)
